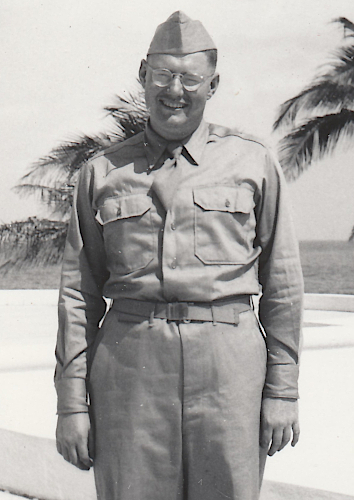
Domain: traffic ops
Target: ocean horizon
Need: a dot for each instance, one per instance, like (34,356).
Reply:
(328,267)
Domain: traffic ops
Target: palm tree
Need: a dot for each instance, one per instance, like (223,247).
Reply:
(322,115)
(52,179)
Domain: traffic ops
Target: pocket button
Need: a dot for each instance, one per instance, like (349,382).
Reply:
(227,203)
(119,211)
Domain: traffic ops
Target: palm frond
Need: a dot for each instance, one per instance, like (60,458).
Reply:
(325,94)
(63,161)
(347,25)
(332,89)
(58,198)
(342,66)
(313,140)
(52,179)
(129,114)
(33,241)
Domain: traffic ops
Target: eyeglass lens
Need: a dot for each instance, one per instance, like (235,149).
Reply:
(163,77)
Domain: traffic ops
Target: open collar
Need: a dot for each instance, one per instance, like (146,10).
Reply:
(155,145)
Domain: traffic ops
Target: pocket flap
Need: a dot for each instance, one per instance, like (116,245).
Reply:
(123,207)
(224,198)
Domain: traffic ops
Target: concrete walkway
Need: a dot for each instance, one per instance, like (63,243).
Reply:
(323,460)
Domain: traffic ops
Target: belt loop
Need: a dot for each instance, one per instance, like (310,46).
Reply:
(213,314)
(185,313)
(169,311)
(236,316)
(152,316)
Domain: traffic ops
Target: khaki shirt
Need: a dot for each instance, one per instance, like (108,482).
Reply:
(227,232)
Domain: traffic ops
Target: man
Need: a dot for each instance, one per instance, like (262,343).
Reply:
(178,226)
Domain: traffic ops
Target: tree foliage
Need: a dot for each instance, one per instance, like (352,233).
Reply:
(313,140)
(33,240)
(322,114)
(52,178)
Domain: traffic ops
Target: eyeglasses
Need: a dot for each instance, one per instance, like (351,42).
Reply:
(164,77)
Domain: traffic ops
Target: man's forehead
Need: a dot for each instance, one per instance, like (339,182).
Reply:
(195,58)
(197,63)
(179,36)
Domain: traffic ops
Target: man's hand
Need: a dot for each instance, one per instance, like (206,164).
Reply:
(73,434)
(279,420)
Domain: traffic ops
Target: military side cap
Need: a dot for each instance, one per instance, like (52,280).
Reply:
(180,35)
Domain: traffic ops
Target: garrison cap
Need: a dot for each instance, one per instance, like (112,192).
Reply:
(180,35)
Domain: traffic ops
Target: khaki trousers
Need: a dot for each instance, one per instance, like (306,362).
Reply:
(175,409)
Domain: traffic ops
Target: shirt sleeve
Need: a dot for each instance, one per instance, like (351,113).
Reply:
(81,304)
(280,275)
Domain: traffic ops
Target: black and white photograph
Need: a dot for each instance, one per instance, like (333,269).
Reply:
(177,250)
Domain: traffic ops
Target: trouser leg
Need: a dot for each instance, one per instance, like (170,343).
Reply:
(224,371)
(136,390)
(144,379)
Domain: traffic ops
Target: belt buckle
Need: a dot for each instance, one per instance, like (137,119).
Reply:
(178,311)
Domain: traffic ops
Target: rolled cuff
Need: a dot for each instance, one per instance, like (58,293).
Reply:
(72,397)
(282,381)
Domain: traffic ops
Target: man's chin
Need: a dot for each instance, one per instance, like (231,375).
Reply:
(174,115)
(177,121)
(173,127)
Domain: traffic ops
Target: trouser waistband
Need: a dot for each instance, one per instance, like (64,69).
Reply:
(220,311)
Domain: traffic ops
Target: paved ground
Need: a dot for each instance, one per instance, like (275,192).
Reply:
(323,459)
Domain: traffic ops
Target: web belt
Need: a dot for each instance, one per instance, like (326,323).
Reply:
(220,311)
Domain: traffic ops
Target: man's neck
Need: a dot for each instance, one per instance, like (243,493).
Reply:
(183,139)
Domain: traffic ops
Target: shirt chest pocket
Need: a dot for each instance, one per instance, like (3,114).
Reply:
(127,231)
(224,224)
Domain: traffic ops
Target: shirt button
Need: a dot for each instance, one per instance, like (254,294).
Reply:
(227,203)
(173,227)
(119,211)
(174,264)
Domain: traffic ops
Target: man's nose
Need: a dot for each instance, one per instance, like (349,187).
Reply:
(176,88)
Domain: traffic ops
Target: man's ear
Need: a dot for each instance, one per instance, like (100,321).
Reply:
(213,85)
(142,72)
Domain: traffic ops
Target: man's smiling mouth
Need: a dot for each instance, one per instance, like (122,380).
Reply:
(173,105)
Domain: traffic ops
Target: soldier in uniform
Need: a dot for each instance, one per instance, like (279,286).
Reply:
(172,396)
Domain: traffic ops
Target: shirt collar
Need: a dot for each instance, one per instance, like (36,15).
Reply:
(196,143)
(155,144)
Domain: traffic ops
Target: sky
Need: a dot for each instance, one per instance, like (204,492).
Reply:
(63,61)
